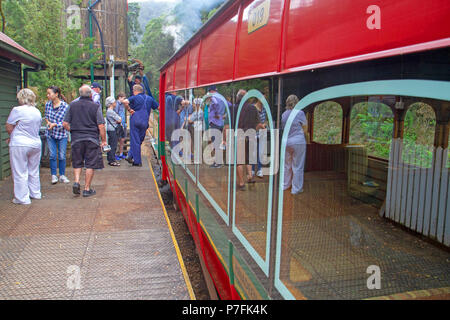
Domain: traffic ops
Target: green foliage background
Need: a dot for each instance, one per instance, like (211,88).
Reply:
(372,124)
(157,44)
(40,26)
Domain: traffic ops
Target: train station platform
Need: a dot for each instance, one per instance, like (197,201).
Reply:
(118,244)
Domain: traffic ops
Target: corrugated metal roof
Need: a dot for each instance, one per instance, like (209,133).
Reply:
(15,46)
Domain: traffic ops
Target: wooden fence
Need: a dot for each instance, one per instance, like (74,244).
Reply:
(418,194)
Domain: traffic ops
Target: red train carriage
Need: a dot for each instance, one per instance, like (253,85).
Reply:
(372,80)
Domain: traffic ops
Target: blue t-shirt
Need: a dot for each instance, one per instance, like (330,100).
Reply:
(120,110)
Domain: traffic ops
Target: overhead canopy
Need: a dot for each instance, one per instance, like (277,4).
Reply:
(14,51)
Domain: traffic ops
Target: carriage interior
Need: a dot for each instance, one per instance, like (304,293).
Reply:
(368,164)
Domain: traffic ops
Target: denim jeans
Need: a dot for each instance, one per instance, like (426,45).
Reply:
(112,140)
(57,149)
(258,166)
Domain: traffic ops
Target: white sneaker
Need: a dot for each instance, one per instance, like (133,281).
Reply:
(15,201)
(298,192)
(259,174)
(63,179)
(54,179)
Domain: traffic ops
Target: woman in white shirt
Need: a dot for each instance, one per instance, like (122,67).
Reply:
(23,126)
(294,162)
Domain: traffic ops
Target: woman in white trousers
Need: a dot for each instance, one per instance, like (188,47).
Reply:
(23,126)
(294,160)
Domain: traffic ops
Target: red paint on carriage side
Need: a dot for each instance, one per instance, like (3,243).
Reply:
(193,66)
(170,77)
(180,72)
(313,33)
(212,262)
(215,268)
(162,125)
(258,51)
(217,54)
(325,30)
(301,34)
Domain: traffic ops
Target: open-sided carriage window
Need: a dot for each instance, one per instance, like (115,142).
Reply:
(175,116)
(254,139)
(330,230)
(418,135)
(327,124)
(170,119)
(213,171)
(372,125)
(448,153)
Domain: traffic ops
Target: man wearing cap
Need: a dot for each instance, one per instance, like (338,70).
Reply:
(96,89)
(139,105)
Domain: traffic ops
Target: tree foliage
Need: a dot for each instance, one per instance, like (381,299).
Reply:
(418,135)
(328,123)
(372,125)
(163,33)
(134,28)
(40,26)
(156,48)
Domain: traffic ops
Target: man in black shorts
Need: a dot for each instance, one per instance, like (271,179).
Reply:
(84,120)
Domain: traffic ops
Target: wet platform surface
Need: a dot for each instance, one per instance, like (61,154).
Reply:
(116,243)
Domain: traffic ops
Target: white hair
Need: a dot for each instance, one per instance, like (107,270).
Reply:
(26,97)
(85,91)
(291,101)
(138,88)
(109,101)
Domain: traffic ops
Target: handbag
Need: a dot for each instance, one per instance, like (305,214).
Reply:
(119,129)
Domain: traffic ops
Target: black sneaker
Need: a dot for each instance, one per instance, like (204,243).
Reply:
(137,164)
(76,188)
(88,193)
(129,160)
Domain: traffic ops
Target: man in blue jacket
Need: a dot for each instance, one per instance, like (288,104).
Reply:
(139,106)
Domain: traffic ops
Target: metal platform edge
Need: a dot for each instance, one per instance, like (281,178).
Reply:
(172,235)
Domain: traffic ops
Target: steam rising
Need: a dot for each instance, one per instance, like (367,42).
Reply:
(186,18)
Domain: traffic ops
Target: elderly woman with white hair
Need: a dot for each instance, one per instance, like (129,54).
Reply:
(113,121)
(23,126)
(294,161)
